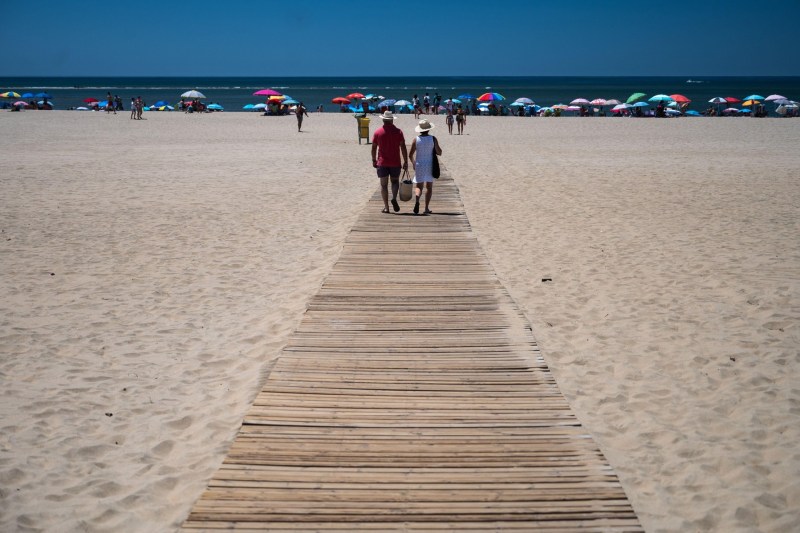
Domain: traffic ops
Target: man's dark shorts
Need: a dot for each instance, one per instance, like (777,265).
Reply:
(393,172)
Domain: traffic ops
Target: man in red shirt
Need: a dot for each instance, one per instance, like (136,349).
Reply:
(388,143)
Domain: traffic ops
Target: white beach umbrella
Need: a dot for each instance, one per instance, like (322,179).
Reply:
(193,94)
(580,101)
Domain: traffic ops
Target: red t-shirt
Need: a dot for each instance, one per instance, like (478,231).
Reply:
(388,139)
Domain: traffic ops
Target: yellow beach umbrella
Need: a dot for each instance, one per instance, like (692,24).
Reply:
(750,102)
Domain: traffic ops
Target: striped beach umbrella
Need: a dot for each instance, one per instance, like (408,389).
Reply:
(490,97)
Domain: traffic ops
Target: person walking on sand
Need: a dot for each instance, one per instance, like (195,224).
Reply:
(388,143)
(449,121)
(300,110)
(423,147)
(461,120)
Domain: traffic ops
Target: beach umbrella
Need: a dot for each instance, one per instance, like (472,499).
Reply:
(750,102)
(249,107)
(193,94)
(679,98)
(402,102)
(579,101)
(387,103)
(267,92)
(215,107)
(599,101)
(672,112)
(466,96)
(774,97)
(260,106)
(491,97)
(660,98)
(452,101)
(560,106)
(27,95)
(90,100)
(524,100)
(693,113)
(730,110)
(635,97)
(19,103)
(744,111)
(160,103)
(42,95)
(278,98)
(732,100)
(573,108)
(718,100)
(640,104)
(613,101)
(355,95)
(340,100)
(10,94)
(620,107)
(754,97)
(290,101)
(516,104)
(81,108)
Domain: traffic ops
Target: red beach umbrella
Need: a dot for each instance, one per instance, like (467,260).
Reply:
(90,100)
(340,100)
(732,100)
(680,98)
(267,92)
(355,95)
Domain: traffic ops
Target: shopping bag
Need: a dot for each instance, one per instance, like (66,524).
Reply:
(406,187)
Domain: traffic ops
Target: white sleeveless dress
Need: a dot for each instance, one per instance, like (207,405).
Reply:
(422,167)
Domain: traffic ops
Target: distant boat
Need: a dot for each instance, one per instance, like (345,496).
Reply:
(694,81)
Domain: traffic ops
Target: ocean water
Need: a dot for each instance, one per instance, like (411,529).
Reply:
(235,92)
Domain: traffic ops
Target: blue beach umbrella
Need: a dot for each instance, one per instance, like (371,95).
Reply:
(693,113)
(249,106)
(641,104)
(753,97)
(160,103)
(215,107)
(660,98)
(42,95)
(289,101)
(387,103)
(27,95)
(259,106)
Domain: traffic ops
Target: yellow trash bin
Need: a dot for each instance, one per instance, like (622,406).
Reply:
(363,129)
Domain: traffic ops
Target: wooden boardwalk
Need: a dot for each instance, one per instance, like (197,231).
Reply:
(413,397)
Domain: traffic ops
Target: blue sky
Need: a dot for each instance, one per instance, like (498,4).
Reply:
(334,38)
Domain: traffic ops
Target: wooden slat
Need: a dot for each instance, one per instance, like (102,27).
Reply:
(412,397)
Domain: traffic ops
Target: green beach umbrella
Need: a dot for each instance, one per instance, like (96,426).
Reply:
(635,97)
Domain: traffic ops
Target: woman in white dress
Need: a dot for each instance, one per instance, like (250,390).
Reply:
(421,155)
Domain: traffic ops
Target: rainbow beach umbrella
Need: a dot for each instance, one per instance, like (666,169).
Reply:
(491,97)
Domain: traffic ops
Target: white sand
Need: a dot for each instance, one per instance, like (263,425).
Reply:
(152,270)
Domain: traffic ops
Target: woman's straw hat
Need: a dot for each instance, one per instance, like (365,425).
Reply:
(387,115)
(424,126)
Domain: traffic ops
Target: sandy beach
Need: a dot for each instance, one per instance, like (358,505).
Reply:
(152,270)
